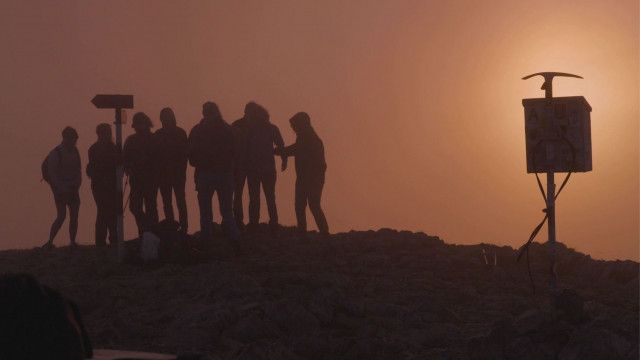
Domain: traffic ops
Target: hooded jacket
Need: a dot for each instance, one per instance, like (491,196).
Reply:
(309,153)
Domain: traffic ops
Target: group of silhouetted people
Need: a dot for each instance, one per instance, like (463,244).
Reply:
(225,158)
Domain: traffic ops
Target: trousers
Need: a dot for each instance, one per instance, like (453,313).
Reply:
(207,184)
(309,192)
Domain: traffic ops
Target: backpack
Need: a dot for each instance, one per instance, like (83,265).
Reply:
(44,168)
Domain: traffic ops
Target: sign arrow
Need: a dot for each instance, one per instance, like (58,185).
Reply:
(113,101)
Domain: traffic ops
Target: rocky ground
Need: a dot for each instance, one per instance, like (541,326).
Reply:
(359,295)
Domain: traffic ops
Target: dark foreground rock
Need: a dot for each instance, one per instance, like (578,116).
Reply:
(358,295)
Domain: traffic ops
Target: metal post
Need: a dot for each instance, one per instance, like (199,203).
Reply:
(551,206)
(119,181)
(551,213)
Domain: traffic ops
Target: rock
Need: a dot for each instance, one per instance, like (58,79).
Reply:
(263,350)
(311,347)
(595,344)
(522,348)
(373,348)
(570,305)
(291,316)
(252,328)
(529,321)
(436,336)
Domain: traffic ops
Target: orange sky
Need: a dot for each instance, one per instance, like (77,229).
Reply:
(418,103)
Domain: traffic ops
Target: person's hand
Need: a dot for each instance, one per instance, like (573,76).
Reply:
(284,166)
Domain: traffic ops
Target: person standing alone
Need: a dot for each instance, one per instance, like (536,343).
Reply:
(61,170)
(310,172)
(140,164)
(172,166)
(104,158)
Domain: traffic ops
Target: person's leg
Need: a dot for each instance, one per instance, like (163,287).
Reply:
(135,205)
(224,186)
(301,206)
(181,203)
(167,203)
(240,178)
(151,205)
(253,180)
(269,188)
(61,214)
(111,217)
(74,210)
(315,197)
(102,215)
(205,193)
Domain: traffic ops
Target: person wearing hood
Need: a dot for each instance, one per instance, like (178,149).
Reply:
(172,166)
(310,165)
(104,158)
(62,170)
(140,164)
(210,151)
(263,138)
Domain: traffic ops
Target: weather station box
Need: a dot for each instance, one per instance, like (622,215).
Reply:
(558,134)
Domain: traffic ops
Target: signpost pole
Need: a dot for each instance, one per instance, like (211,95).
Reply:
(551,206)
(120,187)
(551,135)
(117,102)
(551,213)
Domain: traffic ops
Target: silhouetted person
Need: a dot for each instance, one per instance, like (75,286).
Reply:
(263,136)
(104,158)
(36,322)
(172,166)
(62,171)
(140,163)
(240,138)
(310,172)
(211,153)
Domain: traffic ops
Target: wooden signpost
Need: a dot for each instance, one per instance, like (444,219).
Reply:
(117,102)
(558,139)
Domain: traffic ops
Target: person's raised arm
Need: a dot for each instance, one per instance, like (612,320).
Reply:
(279,142)
(290,150)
